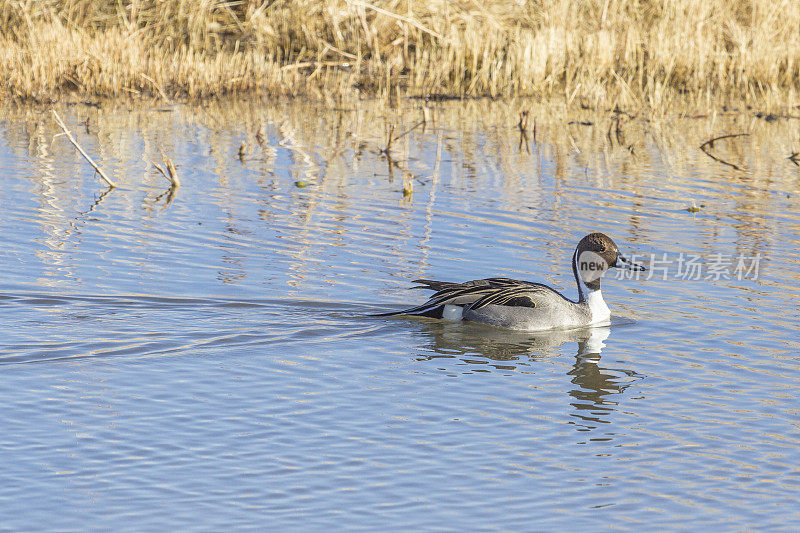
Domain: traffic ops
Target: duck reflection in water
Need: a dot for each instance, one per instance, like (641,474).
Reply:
(594,384)
(454,339)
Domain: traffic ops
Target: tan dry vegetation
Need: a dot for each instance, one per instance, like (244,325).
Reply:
(599,53)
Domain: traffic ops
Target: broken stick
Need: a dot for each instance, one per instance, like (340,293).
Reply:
(84,154)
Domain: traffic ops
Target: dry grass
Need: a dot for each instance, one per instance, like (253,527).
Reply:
(598,53)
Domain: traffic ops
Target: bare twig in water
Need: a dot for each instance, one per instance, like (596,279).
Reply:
(795,158)
(170,173)
(389,140)
(82,152)
(409,130)
(260,134)
(709,144)
(173,172)
(523,121)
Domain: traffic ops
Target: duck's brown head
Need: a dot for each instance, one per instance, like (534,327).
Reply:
(594,255)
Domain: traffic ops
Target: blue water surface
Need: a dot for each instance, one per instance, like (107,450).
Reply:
(202,358)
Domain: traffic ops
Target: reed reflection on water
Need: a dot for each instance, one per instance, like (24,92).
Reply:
(209,344)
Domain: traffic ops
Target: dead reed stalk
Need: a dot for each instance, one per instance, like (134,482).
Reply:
(707,146)
(81,150)
(168,171)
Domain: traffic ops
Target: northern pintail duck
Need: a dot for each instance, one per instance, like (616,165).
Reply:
(524,305)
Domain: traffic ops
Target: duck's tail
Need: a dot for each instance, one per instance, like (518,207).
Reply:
(431,308)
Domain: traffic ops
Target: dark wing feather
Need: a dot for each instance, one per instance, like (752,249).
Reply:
(445,286)
(476,294)
(524,294)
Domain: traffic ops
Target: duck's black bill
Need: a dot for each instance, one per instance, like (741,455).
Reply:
(627,264)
